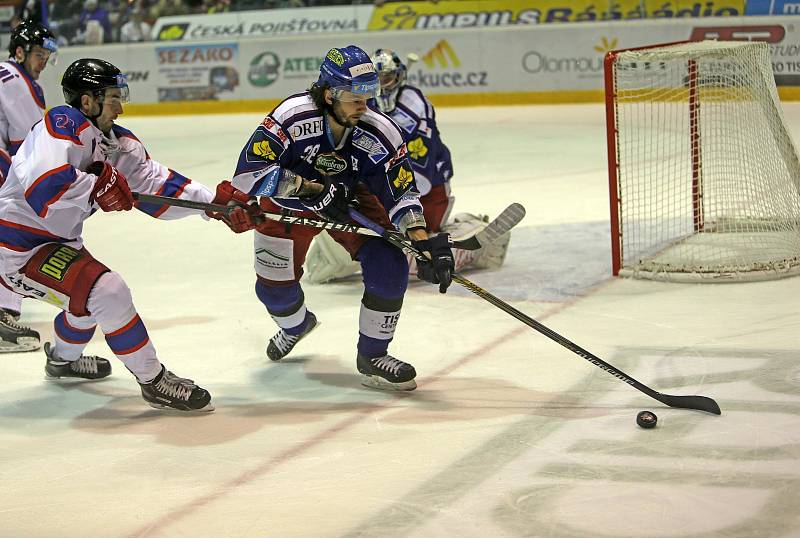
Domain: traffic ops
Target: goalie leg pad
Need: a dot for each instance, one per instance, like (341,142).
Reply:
(327,260)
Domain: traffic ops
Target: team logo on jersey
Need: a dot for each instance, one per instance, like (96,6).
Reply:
(329,164)
(263,149)
(370,144)
(263,146)
(417,148)
(336,57)
(400,179)
(406,122)
(58,263)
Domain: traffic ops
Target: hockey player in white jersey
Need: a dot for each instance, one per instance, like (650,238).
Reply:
(74,162)
(21,106)
(433,169)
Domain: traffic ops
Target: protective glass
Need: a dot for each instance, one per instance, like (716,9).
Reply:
(118,94)
(357,91)
(47,52)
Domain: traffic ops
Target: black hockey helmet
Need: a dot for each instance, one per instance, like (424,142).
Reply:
(29,33)
(90,75)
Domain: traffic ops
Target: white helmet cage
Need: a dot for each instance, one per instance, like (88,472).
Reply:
(391,74)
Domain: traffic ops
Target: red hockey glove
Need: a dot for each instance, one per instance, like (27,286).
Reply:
(111,191)
(245,212)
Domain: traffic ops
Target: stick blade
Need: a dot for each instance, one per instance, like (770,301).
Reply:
(502,224)
(699,403)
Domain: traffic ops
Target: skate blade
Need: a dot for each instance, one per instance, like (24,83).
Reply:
(70,379)
(376,382)
(207,409)
(19,347)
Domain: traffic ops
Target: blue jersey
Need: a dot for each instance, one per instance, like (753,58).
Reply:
(429,156)
(295,136)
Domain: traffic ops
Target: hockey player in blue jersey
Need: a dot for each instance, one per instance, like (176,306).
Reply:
(433,169)
(320,151)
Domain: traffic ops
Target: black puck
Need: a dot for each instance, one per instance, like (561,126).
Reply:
(646,419)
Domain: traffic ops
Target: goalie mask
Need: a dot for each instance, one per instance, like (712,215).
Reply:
(392,75)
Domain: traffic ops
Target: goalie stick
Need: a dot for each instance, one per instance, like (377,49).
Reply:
(699,403)
(507,219)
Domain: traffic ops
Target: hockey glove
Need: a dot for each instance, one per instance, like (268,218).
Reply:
(439,269)
(111,191)
(245,212)
(332,203)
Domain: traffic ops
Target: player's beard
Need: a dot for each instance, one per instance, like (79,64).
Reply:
(341,119)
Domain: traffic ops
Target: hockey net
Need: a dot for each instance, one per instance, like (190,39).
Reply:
(703,175)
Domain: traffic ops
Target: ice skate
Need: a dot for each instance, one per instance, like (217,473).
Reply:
(386,373)
(282,343)
(85,367)
(14,337)
(168,391)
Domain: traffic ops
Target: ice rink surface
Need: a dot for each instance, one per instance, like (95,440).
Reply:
(508,434)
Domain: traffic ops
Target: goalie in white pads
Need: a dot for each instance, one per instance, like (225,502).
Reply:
(74,162)
(433,169)
(21,105)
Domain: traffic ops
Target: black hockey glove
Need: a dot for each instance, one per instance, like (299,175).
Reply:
(439,270)
(332,203)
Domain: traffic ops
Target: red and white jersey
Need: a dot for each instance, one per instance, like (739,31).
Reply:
(47,196)
(21,106)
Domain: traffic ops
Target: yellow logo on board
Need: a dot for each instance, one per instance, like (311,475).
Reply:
(440,53)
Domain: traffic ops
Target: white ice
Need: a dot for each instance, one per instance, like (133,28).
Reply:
(508,434)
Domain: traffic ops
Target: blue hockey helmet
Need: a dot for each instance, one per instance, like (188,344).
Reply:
(349,73)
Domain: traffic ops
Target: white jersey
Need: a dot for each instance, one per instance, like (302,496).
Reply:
(21,106)
(47,196)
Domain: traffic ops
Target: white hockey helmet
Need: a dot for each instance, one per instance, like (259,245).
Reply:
(391,74)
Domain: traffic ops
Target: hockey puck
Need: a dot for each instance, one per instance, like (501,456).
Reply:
(646,419)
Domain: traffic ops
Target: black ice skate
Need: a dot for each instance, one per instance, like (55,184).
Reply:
(86,367)
(282,343)
(386,373)
(16,338)
(168,391)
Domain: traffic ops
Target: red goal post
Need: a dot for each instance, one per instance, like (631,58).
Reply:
(704,179)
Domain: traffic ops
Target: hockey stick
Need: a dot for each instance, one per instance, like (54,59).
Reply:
(510,217)
(699,403)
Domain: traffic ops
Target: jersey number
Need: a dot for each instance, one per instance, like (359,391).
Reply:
(310,152)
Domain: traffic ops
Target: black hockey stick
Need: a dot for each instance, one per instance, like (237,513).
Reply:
(699,403)
(510,217)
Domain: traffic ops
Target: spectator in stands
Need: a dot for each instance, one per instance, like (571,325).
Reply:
(65,19)
(167,8)
(27,10)
(218,6)
(136,29)
(93,16)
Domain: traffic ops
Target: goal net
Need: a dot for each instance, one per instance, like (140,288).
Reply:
(703,175)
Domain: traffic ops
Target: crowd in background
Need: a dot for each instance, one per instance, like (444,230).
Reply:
(91,22)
